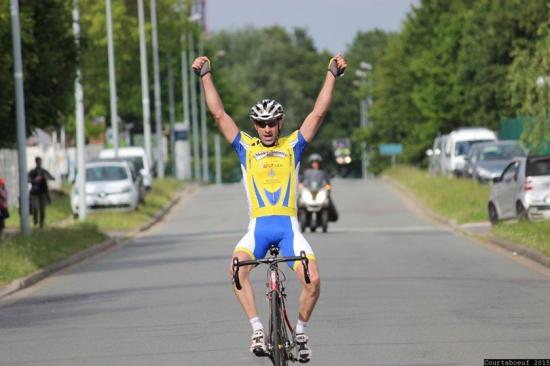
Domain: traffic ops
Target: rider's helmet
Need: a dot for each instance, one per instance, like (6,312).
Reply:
(266,110)
(315,157)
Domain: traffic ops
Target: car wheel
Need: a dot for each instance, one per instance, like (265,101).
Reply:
(493,214)
(521,213)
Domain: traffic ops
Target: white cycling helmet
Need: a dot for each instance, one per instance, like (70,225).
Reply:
(266,110)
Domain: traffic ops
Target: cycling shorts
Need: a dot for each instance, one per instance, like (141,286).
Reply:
(281,231)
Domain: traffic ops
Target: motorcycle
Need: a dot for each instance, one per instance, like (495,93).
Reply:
(314,206)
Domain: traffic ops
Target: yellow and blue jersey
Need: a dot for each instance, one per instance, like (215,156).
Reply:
(270,173)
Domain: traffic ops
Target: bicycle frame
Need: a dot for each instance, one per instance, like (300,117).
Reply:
(278,335)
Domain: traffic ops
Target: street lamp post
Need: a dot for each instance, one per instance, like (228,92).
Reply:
(364,102)
(158,103)
(20,115)
(79,101)
(112,77)
(144,85)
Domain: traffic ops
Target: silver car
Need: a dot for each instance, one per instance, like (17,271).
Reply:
(522,191)
(486,161)
(109,184)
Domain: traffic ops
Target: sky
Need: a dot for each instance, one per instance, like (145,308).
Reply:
(331,23)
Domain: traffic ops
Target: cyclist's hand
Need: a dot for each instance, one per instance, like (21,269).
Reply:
(201,66)
(337,65)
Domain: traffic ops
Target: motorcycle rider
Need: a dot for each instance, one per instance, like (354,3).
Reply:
(315,173)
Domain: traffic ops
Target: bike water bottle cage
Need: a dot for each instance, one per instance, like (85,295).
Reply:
(205,69)
(333,68)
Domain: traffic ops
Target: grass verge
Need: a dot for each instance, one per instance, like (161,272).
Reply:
(462,200)
(22,255)
(162,192)
(59,209)
(534,235)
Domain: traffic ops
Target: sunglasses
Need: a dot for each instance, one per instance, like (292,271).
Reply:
(271,124)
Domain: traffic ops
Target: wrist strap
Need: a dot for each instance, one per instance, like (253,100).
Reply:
(333,68)
(205,69)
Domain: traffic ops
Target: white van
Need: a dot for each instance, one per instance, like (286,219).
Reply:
(133,153)
(458,145)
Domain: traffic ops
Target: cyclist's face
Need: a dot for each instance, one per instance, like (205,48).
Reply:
(268,131)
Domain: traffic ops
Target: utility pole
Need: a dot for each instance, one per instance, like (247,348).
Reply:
(204,130)
(172,114)
(112,77)
(158,104)
(185,95)
(192,85)
(79,99)
(20,114)
(144,85)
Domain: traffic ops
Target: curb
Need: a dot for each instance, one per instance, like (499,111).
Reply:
(514,248)
(28,281)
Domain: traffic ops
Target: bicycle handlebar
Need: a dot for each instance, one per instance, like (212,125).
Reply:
(271,260)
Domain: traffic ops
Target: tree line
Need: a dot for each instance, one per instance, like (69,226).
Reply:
(453,63)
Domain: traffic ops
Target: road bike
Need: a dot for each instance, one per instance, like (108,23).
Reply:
(281,343)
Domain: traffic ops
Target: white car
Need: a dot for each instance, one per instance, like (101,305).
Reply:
(133,153)
(109,184)
(522,191)
(458,145)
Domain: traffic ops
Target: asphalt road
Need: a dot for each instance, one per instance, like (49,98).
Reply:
(396,290)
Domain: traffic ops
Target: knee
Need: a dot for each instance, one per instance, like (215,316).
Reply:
(314,287)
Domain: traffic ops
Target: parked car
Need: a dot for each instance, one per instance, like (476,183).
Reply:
(435,154)
(487,160)
(522,191)
(131,153)
(109,184)
(458,145)
(135,167)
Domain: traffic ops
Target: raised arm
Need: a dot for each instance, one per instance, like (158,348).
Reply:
(225,123)
(313,121)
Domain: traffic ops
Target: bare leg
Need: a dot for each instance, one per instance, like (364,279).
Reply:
(310,292)
(246,294)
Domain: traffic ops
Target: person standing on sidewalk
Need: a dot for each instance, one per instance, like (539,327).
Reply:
(4,213)
(40,194)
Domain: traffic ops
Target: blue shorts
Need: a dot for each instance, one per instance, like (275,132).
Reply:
(281,231)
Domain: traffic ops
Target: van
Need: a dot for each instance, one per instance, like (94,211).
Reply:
(458,145)
(133,154)
(435,154)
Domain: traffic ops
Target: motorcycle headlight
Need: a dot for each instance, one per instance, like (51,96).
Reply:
(307,197)
(321,196)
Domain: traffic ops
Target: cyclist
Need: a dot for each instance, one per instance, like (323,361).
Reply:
(270,165)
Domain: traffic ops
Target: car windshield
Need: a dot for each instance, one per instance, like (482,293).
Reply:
(538,167)
(500,152)
(462,147)
(137,162)
(105,173)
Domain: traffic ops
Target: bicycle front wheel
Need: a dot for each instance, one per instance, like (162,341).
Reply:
(278,332)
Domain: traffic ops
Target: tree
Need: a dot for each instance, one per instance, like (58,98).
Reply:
(529,81)
(49,61)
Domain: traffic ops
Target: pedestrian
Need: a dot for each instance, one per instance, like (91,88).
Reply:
(4,213)
(40,194)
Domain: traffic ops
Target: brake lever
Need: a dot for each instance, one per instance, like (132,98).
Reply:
(236,280)
(305,263)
